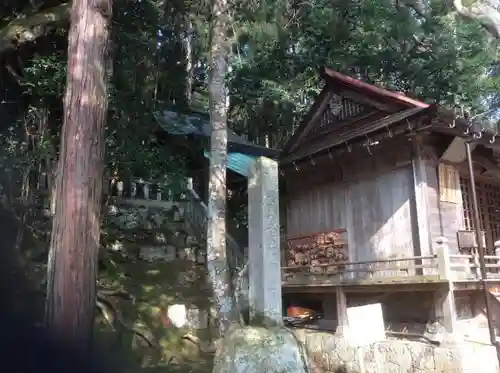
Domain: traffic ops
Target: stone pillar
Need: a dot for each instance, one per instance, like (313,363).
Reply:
(444,300)
(264,267)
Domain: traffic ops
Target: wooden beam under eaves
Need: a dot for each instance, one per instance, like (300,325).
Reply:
(356,133)
(455,152)
(312,116)
(492,169)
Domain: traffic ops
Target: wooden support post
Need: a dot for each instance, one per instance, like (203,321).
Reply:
(421,202)
(444,300)
(343,324)
(497,253)
(477,264)
(329,321)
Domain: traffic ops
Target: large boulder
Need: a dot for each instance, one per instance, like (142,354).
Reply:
(260,350)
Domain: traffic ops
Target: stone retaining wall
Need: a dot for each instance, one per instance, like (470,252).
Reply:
(332,354)
(154,259)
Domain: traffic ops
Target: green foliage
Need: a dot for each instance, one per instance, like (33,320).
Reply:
(45,76)
(277,59)
(278,49)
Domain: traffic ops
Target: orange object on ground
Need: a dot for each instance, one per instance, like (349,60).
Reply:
(296,311)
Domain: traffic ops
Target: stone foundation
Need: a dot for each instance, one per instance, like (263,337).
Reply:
(331,354)
(260,350)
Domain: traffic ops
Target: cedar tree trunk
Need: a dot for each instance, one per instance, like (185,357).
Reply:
(72,267)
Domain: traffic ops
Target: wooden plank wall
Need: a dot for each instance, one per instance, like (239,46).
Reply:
(445,218)
(375,211)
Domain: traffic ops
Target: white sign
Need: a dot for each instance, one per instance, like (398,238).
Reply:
(366,324)
(189,317)
(177,315)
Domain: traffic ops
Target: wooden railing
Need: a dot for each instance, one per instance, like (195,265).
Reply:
(138,188)
(322,259)
(466,267)
(196,214)
(134,188)
(441,267)
(393,270)
(195,210)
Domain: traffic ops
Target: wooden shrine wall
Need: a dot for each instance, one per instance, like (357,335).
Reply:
(375,212)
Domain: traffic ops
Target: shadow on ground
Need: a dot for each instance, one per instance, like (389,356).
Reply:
(152,287)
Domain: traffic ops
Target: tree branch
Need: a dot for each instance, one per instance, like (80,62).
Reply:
(28,29)
(418,6)
(114,319)
(483,12)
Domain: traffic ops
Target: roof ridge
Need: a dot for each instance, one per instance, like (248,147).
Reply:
(374,89)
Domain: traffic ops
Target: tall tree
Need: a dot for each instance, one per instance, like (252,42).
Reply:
(216,235)
(74,247)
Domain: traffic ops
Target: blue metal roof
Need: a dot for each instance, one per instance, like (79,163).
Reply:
(194,123)
(238,162)
(197,123)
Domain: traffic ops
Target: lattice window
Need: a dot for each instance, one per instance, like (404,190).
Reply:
(492,202)
(483,211)
(488,198)
(338,110)
(352,109)
(336,106)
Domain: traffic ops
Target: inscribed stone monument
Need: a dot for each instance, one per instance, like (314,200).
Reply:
(264,261)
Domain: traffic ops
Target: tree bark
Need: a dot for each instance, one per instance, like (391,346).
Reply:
(73,257)
(216,236)
(187,43)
